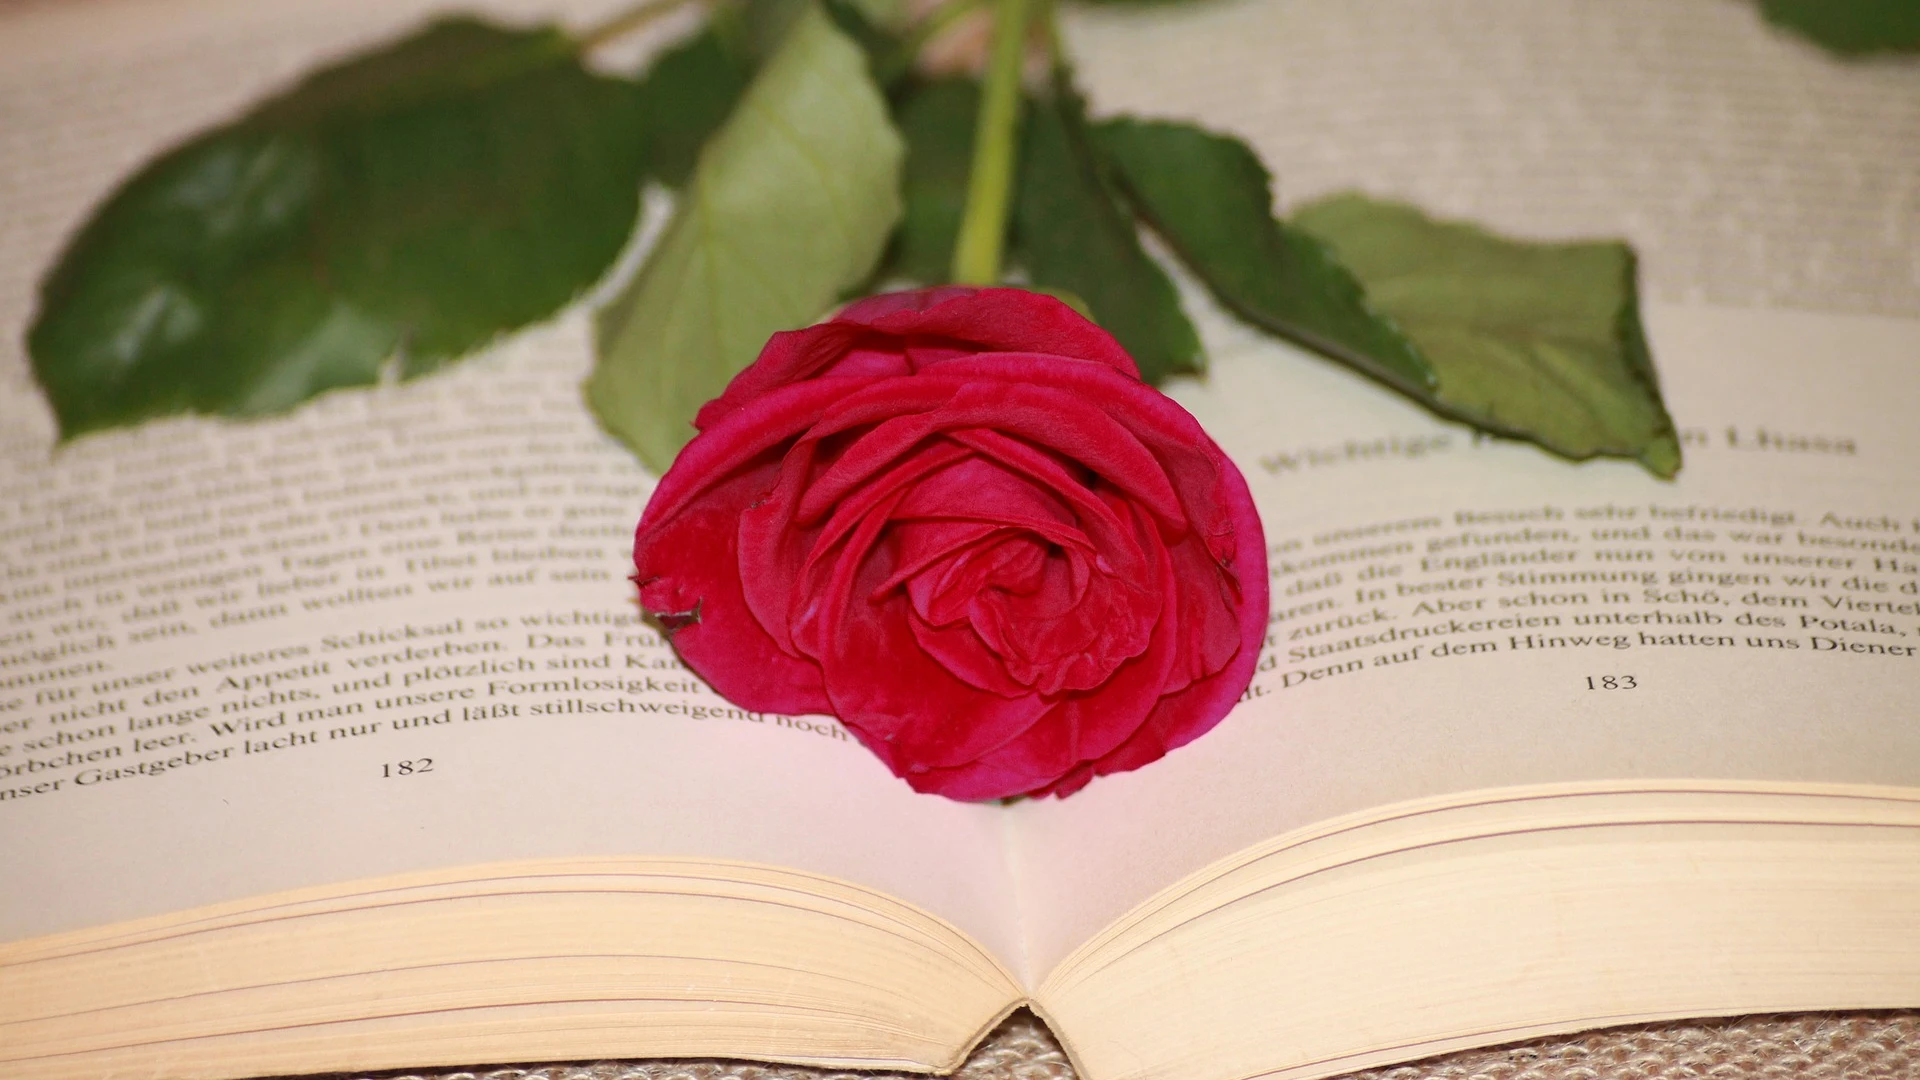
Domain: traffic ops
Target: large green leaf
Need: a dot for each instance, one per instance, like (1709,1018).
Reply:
(408,204)
(791,203)
(1536,341)
(1072,234)
(1850,27)
(1209,197)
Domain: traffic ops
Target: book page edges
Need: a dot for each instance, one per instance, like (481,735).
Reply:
(1315,953)
(537,960)
(1482,918)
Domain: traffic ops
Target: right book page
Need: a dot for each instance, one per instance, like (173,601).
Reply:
(1452,613)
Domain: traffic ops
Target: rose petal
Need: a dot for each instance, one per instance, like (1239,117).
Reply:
(790,357)
(1103,721)
(958,562)
(1193,463)
(934,323)
(775,549)
(1000,320)
(718,454)
(1066,423)
(688,571)
(1110,535)
(913,554)
(1066,620)
(1202,705)
(958,649)
(769,565)
(869,309)
(1015,768)
(880,683)
(1207,611)
(890,690)
(883,491)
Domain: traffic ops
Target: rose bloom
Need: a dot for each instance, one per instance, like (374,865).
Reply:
(958,521)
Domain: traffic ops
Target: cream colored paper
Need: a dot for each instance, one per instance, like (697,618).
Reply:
(424,573)
(1664,584)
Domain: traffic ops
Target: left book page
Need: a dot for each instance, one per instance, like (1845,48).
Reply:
(389,632)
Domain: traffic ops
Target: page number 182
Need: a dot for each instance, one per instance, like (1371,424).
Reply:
(410,768)
(1611,682)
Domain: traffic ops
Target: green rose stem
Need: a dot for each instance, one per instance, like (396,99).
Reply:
(983,227)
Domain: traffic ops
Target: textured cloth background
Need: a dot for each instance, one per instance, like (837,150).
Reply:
(1815,1046)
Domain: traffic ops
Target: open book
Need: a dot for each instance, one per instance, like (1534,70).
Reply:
(334,742)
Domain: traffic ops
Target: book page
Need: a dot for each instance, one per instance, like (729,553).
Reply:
(389,632)
(1752,172)
(1453,613)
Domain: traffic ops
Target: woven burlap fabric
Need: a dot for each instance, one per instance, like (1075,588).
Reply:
(1810,1046)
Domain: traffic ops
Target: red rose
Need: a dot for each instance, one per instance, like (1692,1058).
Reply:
(957,520)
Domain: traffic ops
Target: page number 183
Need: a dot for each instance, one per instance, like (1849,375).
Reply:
(1611,682)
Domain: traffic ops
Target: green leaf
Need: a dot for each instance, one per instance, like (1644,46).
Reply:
(1850,27)
(1072,234)
(688,93)
(791,202)
(1209,198)
(1536,341)
(936,120)
(408,204)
